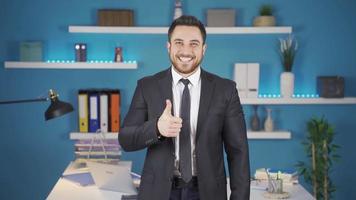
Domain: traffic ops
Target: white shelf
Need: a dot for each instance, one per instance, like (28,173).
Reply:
(69,65)
(277,101)
(88,136)
(97,153)
(250,135)
(164,30)
(269,135)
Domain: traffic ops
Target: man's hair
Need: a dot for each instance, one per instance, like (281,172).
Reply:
(187,20)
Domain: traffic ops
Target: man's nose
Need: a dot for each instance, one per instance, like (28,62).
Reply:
(186,49)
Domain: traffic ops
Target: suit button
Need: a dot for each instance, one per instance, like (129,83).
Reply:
(149,141)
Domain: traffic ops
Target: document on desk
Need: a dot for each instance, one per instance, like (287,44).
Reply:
(83,179)
(113,177)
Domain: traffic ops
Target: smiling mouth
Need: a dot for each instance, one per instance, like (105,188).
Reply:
(185,59)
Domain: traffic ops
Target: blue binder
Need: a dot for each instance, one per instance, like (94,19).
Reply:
(94,111)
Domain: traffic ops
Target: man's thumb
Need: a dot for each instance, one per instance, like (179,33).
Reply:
(168,109)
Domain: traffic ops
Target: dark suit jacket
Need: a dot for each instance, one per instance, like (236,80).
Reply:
(220,125)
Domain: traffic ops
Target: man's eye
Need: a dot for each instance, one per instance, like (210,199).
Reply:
(194,44)
(179,43)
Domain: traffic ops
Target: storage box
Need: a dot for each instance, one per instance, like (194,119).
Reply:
(31,51)
(115,17)
(220,17)
(247,77)
(330,86)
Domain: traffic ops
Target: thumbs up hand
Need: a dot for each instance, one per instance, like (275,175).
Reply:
(168,125)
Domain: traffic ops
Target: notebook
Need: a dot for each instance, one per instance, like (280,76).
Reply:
(113,177)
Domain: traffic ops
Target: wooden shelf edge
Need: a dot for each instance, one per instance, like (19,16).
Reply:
(297,101)
(250,135)
(164,30)
(269,135)
(70,65)
(88,136)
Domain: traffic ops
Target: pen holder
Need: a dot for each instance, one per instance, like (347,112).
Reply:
(275,186)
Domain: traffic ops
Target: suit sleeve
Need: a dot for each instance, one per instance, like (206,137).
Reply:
(138,132)
(236,147)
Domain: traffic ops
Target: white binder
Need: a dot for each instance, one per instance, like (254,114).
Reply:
(104,113)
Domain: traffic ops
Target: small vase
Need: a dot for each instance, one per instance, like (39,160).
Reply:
(177,9)
(269,121)
(287,84)
(255,120)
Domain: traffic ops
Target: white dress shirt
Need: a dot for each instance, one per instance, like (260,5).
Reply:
(194,90)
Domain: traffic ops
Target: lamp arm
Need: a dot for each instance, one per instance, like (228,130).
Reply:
(25,100)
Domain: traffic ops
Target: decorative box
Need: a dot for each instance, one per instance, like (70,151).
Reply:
(220,17)
(115,17)
(246,76)
(330,86)
(31,51)
(80,50)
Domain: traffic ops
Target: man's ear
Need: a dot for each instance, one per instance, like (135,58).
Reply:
(204,48)
(168,46)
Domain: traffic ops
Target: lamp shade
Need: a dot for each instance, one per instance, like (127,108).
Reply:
(57,107)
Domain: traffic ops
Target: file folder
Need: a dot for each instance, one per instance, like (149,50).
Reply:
(94,109)
(104,112)
(115,111)
(83,110)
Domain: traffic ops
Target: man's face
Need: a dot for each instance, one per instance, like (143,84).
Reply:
(186,49)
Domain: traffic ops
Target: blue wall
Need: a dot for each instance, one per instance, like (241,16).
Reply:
(35,152)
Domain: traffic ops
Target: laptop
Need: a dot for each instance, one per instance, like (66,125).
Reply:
(113,177)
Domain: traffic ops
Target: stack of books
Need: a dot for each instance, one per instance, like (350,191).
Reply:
(288,176)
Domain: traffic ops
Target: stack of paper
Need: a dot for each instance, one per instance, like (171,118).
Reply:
(288,176)
(97,150)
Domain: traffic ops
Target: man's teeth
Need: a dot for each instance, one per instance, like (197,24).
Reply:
(185,59)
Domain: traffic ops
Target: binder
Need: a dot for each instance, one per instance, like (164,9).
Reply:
(240,77)
(94,110)
(253,80)
(104,112)
(83,110)
(115,111)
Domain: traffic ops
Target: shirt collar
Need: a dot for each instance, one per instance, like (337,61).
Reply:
(194,78)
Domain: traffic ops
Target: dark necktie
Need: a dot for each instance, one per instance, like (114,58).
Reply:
(185,162)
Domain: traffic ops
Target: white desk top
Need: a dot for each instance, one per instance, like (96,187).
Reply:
(65,189)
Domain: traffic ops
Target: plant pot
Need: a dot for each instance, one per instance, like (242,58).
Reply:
(264,21)
(287,84)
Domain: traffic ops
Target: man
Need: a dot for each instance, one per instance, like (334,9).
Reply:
(185,117)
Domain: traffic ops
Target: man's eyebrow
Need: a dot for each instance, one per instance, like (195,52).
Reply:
(195,41)
(177,39)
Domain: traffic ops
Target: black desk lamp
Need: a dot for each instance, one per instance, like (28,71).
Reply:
(56,109)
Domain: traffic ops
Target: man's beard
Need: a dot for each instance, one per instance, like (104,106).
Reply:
(184,69)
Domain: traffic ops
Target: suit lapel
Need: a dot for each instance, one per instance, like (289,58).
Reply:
(165,86)
(207,89)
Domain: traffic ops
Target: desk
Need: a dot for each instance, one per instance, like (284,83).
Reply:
(65,189)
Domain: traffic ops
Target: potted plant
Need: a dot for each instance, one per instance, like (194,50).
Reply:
(266,18)
(321,151)
(287,49)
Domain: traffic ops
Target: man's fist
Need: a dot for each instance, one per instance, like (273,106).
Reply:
(168,125)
